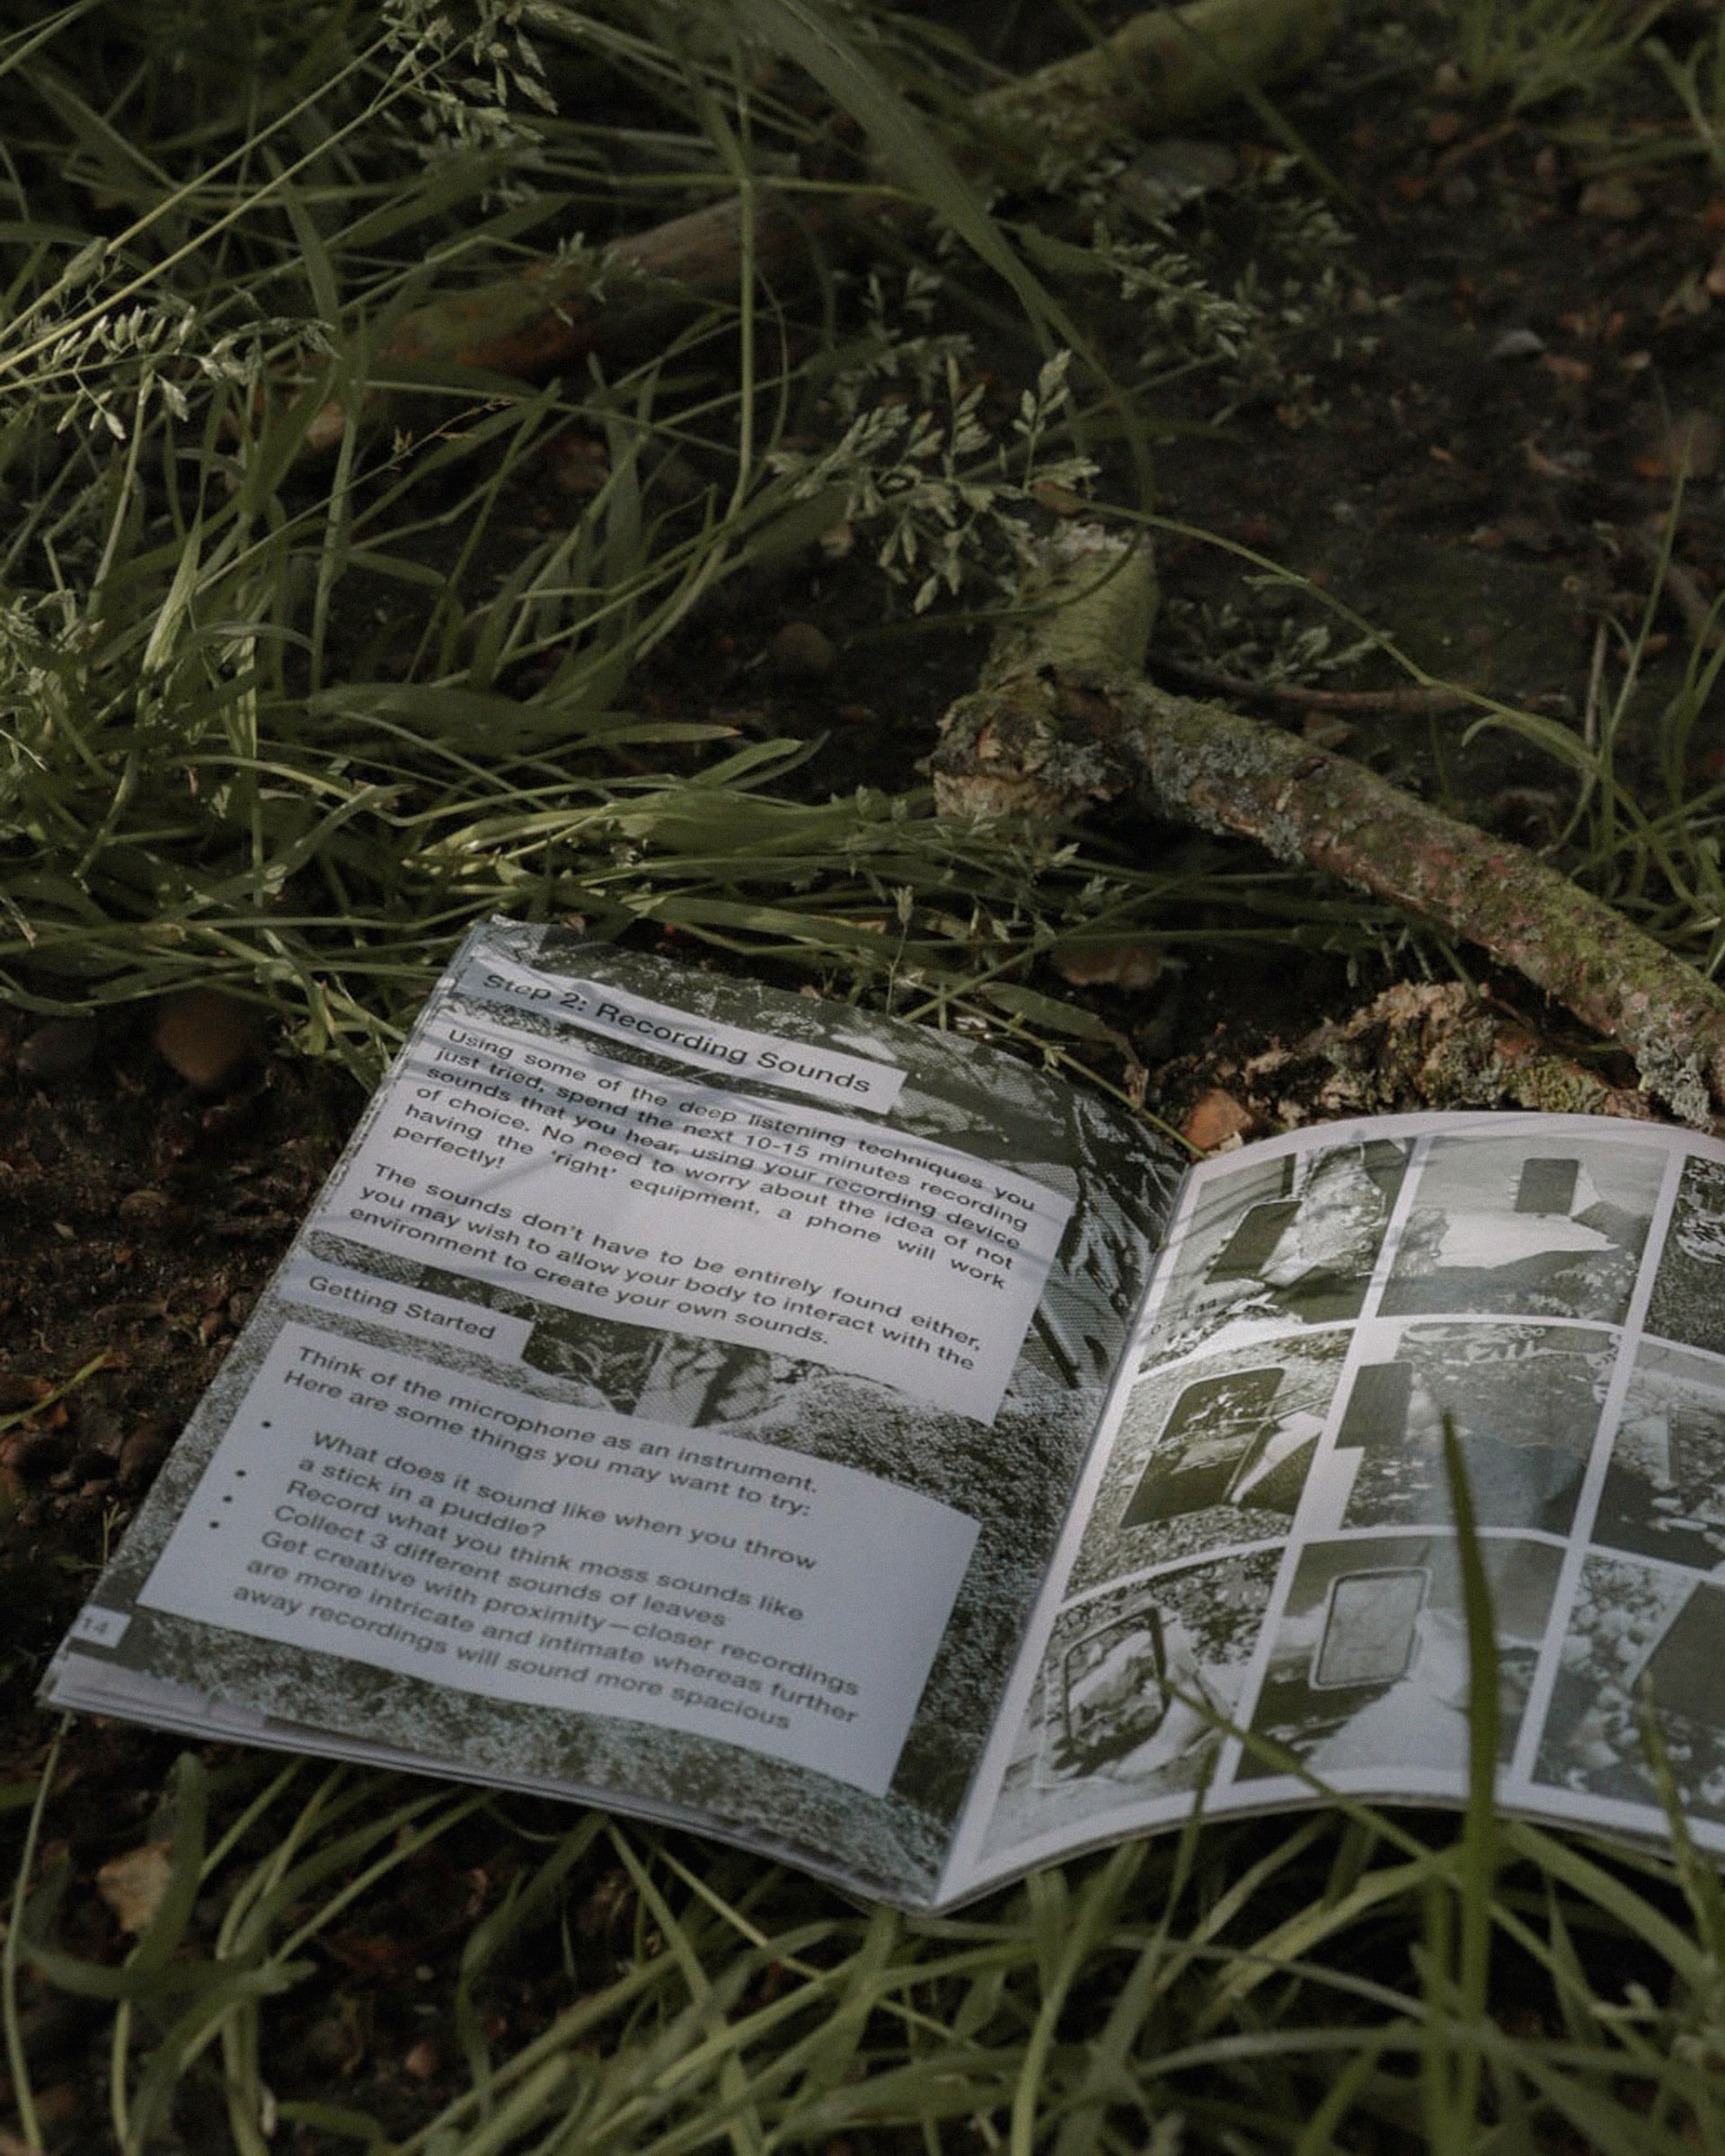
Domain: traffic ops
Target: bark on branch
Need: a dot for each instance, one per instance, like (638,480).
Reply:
(1062,720)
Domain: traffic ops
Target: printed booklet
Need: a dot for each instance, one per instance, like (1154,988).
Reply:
(841,1438)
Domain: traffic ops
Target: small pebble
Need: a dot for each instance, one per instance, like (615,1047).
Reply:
(801,652)
(143,1452)
(207,1037)
(579,465)
(1612,197)
(1129,966)
(59,1047)
(1518,344)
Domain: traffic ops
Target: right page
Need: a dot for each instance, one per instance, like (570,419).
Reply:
(1264,1536)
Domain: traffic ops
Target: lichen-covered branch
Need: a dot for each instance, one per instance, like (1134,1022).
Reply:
(1052,729)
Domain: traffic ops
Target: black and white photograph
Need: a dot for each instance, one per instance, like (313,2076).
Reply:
(670,1377)
(1502,1226)
(1664,1493)
(1688,1301)
(1132,1690)
(1524,1402)
(1213,1454)
(1641,1638)
(1289,1242)
(1368,1672)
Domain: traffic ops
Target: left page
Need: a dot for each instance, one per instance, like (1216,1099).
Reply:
(672,1400)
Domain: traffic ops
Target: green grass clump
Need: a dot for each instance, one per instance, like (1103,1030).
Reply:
(287,721)
(1354,1980)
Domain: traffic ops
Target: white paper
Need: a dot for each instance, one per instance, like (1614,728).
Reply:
(1266,1534)
(337,1291)
(661,1029)
(544,1165)
(463,1532)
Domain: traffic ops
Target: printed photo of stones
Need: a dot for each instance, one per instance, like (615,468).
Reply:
(1496,1227)
(1215,1453)
(1284,1243)
(1689,1290)
(1134,1682)
(1664,1489)
(1523,1401)
(1368,1672)
(1640,1636)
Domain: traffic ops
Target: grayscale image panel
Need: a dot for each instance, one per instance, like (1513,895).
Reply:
(1664,1495)
(1371,1626)
(1280,1244)
(1215,1453)
(1368,1672)
(1688,1300)
(1524,1402)
(1641,1638)
(1493,1228)
(1127,1707)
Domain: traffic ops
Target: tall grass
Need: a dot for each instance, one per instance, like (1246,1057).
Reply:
(1356,1979)
(288,722)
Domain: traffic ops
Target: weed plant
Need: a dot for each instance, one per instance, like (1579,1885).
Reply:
(288,719)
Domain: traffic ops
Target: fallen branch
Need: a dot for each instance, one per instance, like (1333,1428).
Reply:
(1161,69)
(641,290)
(1063,718)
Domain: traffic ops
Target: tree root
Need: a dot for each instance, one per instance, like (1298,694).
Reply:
(1063,718)
(1161,69)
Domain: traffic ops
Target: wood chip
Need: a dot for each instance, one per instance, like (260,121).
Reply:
(133,1885)
(1216,1117)
(1687,445)
(1131,967)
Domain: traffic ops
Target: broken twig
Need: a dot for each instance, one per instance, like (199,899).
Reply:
(1063,718)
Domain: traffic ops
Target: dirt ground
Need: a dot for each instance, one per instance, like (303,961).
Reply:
(1464,445)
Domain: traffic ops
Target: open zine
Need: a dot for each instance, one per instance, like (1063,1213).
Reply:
(844,1439)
